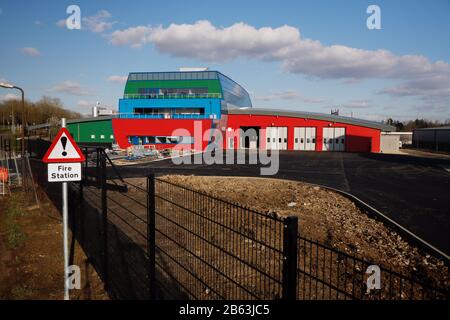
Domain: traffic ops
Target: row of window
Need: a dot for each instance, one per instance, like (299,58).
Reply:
(279,140)
(308,140)
(142,140)
(313,140)
(157,76)
(102,136)
(169,110)
(171,91)
(336,140)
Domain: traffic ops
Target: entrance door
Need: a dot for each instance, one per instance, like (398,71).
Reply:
(250,137)
(328,136)
(333,139)
(272,138)
(310,135)
(276,138)
(339,139)
(282,138)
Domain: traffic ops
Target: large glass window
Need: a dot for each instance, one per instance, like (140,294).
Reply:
(189,75)
(197,111)
(234,93)
(173,91)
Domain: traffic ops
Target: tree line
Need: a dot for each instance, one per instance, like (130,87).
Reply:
(410,125)
(45,110)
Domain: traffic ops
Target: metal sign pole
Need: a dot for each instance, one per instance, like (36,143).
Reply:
(64,159)
(65,210)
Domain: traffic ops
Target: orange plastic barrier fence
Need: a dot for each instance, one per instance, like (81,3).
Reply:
(3,174)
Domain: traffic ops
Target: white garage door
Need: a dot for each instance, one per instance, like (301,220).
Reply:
(333,139)
(305,138)
(276,138)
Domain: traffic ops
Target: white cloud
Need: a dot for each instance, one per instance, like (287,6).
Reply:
(135,37)
(358,104)
(71,87)
(117,79)
(85,103)
(429,88)
(98,23)
(285,95)
(206,42)
(61,23)
(30,51)
(9,96)
(288,95)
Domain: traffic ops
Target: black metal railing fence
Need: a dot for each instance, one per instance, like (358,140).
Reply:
(160,240)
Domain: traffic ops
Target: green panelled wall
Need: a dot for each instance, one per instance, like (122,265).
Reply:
(95,131)
(212,85)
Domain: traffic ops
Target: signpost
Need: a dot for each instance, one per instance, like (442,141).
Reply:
(64,159)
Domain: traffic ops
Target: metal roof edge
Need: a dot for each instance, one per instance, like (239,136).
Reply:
(313,115)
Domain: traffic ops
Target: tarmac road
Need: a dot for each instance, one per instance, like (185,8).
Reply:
(413,191)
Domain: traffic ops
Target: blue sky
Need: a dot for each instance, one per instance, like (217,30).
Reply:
(298,55)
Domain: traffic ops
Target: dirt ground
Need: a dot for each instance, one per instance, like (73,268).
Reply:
(324,216)
(31,253)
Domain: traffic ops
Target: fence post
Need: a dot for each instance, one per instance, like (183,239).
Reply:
(81,207)
(86,156)
(102,161)
(151,241)
(290,229)
(98,169)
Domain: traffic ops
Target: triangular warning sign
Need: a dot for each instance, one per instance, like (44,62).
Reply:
(63,149)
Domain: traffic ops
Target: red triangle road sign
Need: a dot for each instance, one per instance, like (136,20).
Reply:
(63,149)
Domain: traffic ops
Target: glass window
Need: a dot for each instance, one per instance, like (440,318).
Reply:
(161,139)
(177,76)
(234,93)
(268,139)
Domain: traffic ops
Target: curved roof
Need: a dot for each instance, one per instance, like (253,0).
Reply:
(315,116)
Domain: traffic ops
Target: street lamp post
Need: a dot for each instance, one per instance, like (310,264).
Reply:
(10,86)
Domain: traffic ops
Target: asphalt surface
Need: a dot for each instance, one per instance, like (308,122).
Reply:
(413,191)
